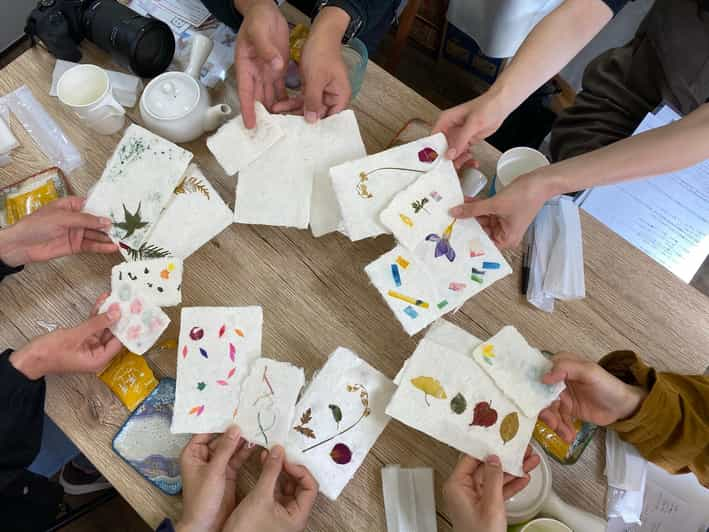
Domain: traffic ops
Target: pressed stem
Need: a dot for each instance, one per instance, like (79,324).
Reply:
(336,435)
(395,168)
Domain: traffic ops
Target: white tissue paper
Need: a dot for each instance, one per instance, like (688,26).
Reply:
(125,87)
(626,471)
(555,248)
(409,502)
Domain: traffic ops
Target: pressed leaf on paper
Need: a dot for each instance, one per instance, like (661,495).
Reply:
(341,454)
(336,413)
(509,427)
(429,386)
(459,404)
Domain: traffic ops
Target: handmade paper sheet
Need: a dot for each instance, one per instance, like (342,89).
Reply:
(195,215)
(446,395)
(440,275)
(450,336)
(136,185)
(366,186)
(517,369)
(142,321)
(338,420)
(216,348)
(236,147)
(267,402)
(276,189)
(340,141)
(159,280)
(423,208)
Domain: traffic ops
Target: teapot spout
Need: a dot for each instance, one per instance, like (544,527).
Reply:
(215,116)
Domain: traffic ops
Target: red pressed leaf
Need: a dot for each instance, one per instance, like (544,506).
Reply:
(232,352)
(184,352)
(341,454)
(222,330)
(428,155)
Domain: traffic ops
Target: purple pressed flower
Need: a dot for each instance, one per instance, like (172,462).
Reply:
(428,155)
(443,245)
(341,454)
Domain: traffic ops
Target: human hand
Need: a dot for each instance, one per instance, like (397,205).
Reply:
(506,216)
(470,123)
(86,348)
(261,57)
(326,83)
(281,501)
(591,394)
(56,230)
(209,466)
(475,493)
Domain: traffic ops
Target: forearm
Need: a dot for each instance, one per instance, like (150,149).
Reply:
(548,48)
(679,145)
(331,24)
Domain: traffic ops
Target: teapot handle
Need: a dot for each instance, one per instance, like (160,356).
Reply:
(201,48)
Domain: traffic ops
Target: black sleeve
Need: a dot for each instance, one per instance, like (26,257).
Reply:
(616,5)
(5,270)
(21,419)
(225,11)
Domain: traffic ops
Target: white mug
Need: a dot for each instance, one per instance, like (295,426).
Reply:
(516,162)
(86,90)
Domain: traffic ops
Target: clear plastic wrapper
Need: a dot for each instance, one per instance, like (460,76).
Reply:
(24,197)
(50,138)
(8,142)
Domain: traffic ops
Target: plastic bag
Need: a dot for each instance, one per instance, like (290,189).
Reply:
(8,142)
(24,197)
(44,130)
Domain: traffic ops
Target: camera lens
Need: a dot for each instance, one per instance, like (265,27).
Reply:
(144,45)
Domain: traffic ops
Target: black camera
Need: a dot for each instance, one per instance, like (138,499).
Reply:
(144,45)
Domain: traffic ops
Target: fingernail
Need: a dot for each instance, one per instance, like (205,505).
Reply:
(276,453)
(311,117)
(451,154)
(276,63)
(493,460)
(114,314)
(456,211)
(106,222)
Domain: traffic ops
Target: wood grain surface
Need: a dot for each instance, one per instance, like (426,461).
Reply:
(316,297)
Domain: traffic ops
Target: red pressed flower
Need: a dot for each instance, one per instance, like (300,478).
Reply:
(341,454)
(428,155)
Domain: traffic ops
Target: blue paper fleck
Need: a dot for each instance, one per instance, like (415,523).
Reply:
(411,312)
(491,265)
(395,274)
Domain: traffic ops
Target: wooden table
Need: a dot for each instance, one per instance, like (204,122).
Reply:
(316,297)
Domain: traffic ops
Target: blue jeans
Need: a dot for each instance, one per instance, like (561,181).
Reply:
(56,450)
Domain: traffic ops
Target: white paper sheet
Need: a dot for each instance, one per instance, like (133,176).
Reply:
(136,185)
(236,147)
(432,285)
(276,189)
(423,207)
(517,369)
(366,186)
(338,420)
(195,215)
(142,321)
(666,217)
(448,396)
(267,401)
(340,141)
(159,280)
(216,348)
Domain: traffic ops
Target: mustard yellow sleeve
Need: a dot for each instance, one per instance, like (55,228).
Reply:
(671,428)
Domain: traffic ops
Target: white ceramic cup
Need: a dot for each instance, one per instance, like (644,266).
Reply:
(545,524)
(516,162)
(86,90)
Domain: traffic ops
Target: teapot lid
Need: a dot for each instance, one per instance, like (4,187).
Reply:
(171,95)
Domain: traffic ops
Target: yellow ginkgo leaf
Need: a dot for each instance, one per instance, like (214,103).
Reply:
(429,386)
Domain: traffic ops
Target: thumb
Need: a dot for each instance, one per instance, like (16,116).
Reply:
(225,447)
(564,369)
(272,468)
(313,98)
(98,323)
(473,209)
(492,497)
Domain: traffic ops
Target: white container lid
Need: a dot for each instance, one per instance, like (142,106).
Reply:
(171,95)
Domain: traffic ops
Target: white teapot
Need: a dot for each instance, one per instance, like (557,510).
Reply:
(175,105)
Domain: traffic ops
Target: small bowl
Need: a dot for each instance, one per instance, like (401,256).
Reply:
(355,55)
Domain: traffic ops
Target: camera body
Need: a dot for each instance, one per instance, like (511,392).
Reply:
(146,46)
